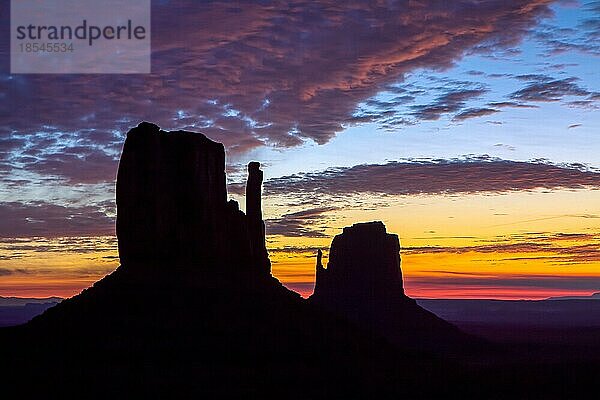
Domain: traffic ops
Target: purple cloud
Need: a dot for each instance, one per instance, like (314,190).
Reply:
(582,37)
(51,220)
(451,102)
(272,73)
(299,224)
(582,282)
(474,113)
(543,88)
(452,176)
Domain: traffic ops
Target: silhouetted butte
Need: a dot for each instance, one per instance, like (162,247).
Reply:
(363,282)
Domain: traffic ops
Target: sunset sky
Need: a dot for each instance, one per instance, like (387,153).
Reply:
(470,128)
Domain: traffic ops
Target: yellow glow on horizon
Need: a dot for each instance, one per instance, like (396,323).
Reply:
(448,244)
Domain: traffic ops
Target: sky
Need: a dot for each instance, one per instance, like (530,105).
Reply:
(470,128)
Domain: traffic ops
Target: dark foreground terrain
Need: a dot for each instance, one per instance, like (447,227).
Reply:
(220,337)
(17,311)
(554,330)
(224,338)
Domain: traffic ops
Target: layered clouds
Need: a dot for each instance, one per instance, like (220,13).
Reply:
(258,74)
(454,176)
(273,73)
(42,219)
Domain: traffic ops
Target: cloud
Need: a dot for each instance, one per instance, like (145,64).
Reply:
(471,175)
(554,248)
(581,36)
(503,104)
(16,271)
(9,143)
(306,251)
(505,146)
(80,245)
(435,96)
(580,282)
(84,167)
(474,113)
(299,224)
(584,104)
(450,102)
(52,220)
(267,73)
(542,88)
(81,156)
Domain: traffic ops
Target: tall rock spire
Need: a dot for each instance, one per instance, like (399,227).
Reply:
(253,191)
(319,259)
(256,226)
(320,272)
